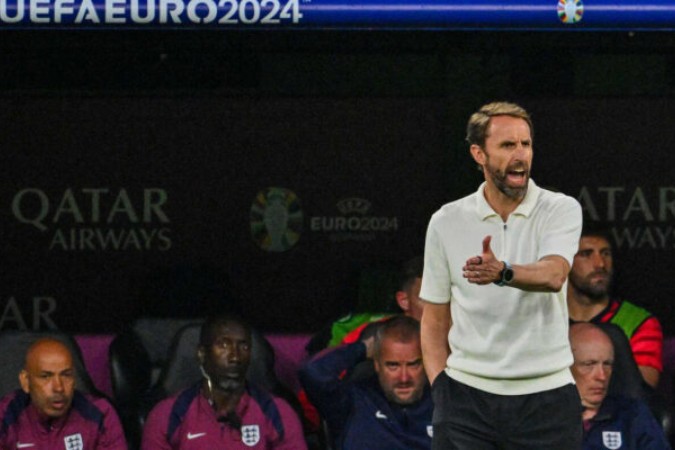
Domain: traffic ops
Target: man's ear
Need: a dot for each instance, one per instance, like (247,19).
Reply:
(23,379)
(478,154)
(403,300)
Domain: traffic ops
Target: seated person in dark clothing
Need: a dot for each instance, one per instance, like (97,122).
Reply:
(222,411)
(389,410)
(349,329)
(609,422)
(48,412)
(407,297)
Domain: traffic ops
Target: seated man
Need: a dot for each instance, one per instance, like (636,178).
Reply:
(349,329)
(407,297)
(609,422)
(391,409)
(588,301)
(49,413)
(223,411)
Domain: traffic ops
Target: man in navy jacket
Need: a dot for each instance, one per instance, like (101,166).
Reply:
(390,409)
(609,422)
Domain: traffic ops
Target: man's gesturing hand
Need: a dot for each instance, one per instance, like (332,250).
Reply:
(484,268)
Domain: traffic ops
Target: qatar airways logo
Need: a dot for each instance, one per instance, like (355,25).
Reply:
(27,312)
(97,219)
(641,217)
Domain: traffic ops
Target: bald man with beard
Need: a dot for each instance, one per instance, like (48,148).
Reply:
(48,412)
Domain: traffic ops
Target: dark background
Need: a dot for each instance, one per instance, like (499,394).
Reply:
(213,118)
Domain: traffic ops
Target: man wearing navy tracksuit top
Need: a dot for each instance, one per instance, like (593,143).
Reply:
(389,410)
(623,423)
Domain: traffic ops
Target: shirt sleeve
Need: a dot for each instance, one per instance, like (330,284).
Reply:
(647,344)
(294,438)
(355,334)
(112,435)
(154,436)
(563,229)
(436,277)
(321,378)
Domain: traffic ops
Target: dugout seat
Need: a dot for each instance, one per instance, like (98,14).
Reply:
(136,357)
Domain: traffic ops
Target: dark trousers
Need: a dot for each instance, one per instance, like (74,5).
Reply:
(466,418)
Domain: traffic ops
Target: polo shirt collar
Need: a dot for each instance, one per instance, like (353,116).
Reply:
(607,410)
(525,208)
(45,425)
(239,411)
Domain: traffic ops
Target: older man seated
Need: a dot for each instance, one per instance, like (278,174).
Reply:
(609,422)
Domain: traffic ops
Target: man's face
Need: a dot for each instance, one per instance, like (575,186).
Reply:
(507,156)
(49,379)
(400,371)
(227,358)
(409,300)
(592,369)
(591,272)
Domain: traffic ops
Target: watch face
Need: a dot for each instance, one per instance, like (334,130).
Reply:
(508,275)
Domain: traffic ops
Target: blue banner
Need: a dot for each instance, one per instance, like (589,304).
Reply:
(552,15)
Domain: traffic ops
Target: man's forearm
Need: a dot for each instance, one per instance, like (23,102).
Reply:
(321,376)
(436,322)
(546,275)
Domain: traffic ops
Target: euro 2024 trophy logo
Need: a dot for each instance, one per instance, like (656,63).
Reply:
(276,219)
(570,11)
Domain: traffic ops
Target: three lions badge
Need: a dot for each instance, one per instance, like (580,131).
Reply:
(250,434)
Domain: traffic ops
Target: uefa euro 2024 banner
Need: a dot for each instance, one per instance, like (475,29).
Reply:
(343,14)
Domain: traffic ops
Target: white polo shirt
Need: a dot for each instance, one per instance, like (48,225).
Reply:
(503,340)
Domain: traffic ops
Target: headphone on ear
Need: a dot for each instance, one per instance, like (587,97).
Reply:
(200,356)
(205,375)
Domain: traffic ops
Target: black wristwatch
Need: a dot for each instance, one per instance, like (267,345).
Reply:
(506,275)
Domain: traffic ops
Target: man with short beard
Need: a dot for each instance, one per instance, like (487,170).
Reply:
(588,300)
(494,330)
(389,410)
(222,411)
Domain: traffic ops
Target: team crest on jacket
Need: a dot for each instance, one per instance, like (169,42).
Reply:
(250,435)
(611,439)
(74,442)
(430,430)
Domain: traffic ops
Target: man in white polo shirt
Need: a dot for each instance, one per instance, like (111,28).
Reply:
(495,329)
